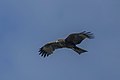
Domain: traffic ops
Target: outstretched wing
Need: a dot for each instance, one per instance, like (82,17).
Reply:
(48,48)
(77,38)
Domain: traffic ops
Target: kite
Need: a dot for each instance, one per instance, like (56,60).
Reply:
(70,42)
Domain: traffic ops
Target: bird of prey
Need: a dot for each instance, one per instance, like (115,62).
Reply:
(70,42)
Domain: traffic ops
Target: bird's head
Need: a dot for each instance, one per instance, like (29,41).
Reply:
(61,40)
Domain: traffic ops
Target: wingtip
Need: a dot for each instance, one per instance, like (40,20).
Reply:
(90,35)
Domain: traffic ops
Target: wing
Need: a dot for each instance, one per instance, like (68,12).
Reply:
(48,48)
(77,38)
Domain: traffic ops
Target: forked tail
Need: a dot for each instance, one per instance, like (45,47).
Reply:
(79,50)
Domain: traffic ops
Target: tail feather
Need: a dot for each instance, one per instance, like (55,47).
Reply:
(79,50)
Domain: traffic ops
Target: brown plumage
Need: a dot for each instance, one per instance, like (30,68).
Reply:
(70,42)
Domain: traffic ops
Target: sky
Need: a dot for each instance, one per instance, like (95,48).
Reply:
(26,25)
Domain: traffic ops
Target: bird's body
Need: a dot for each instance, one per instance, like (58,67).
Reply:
(70,42)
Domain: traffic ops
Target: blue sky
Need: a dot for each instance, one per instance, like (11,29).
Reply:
(26,25)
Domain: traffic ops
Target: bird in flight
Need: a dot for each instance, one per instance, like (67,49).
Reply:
(69,42)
